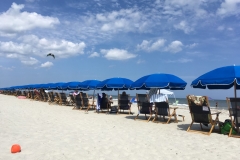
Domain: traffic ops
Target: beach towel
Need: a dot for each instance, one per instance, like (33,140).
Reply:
(21,97)
(152,92)
(98,101)
(158,98)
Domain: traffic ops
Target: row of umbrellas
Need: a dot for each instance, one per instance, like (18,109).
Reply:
(162,81)
(220,78)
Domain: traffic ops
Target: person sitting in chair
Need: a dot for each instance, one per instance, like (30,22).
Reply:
(75,93)
(129,103)
(110,100)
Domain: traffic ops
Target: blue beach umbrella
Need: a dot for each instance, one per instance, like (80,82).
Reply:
(73,85)
(89,84)
(115,84)
(219,78)
(62,86)
(31,86)
(56,85)
(46,86)
(159,80)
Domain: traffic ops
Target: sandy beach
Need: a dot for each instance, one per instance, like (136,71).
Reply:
(53,132)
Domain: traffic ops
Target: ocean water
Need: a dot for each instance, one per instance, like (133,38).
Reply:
(222,104)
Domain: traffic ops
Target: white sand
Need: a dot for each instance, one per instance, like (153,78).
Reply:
(52,132)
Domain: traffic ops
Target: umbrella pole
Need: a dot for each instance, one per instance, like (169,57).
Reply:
(235,90)
(118,100)
(118,93)
(93,96)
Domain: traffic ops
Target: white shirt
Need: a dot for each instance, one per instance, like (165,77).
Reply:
(75,93)
(158,98)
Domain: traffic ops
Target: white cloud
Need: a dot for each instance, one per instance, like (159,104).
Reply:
(16,21)
(117,54)
(14,48)
(183,25)
(181,7)
(29,61)
(229,7)
(140,61)
(6,68)
(156,45)
(220,28)
(144,45)
(181,60)
(126,20)
(192,45)
(29,0)
(94,54)
(12,56)
(174,47)
(46,64)
(149,46)
(32,45)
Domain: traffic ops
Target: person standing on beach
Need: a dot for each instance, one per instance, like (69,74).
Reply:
(216,104)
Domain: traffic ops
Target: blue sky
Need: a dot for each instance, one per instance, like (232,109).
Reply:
(100,39)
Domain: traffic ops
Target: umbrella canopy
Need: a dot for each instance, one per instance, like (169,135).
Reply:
(58,85)
(161,81)
(89,84)
(31,86)
(219,78)
(46,86)
(73,85)
(115,83)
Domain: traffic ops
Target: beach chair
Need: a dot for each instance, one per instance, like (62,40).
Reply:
(31,95)
(50,97)
(72,100)
(56,98)
(40,96)
(144,106)
(163,109)
(18,93)
(78,101)
(15,93)
(201,113)
(28,94)
(85,102)
(234,114)
(37,95)
(25,93)
(124,103)
(45,96)
(104,104)
(62,99)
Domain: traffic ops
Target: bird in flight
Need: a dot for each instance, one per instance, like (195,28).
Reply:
(50,54)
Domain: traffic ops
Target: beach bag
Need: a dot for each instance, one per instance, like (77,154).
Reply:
(226,127)
(114,109)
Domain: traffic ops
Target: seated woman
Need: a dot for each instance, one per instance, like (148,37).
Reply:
(110,100)
(102,102)
(124,102)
